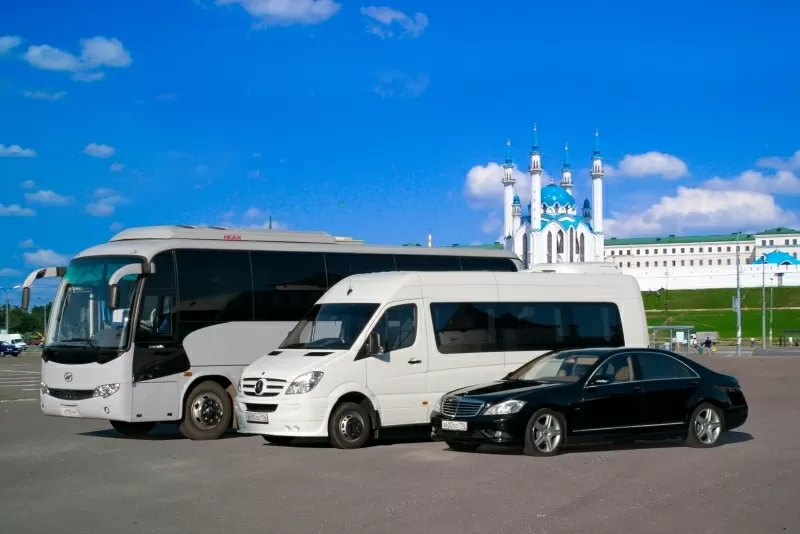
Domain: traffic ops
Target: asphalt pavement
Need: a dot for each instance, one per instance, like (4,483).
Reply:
(79,476)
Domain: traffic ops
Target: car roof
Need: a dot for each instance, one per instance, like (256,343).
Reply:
(603,351)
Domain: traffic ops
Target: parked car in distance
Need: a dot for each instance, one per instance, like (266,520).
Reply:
(9,349)
(593,395)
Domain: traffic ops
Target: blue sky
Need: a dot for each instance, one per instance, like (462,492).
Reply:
(381,121)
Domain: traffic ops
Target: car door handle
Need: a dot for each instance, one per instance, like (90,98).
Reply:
(694,383)
(413,361)
(637,388)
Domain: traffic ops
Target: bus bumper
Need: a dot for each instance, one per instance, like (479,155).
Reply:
(116,406)
(305,419)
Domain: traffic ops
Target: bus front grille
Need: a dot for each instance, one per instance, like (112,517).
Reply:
(71,394)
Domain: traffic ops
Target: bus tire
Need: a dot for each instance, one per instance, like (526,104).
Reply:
(132,429)
(207,412)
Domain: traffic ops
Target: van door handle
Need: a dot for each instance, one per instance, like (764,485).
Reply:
(413,361)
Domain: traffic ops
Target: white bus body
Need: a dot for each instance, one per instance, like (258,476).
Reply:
(195,305)
(438,332)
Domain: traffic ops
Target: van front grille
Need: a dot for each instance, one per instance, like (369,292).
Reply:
(270,387)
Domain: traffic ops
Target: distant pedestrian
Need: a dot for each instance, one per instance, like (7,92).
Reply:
(707,343)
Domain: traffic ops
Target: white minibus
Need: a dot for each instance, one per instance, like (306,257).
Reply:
(379,350)
(157,324)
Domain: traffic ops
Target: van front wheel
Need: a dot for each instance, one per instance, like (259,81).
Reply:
(349,426)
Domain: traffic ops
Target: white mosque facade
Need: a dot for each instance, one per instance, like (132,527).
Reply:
(554,230)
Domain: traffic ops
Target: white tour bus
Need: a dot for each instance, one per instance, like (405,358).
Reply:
(379,350)
(157,324)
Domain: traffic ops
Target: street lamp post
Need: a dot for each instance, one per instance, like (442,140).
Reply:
(7,306)
(771,308)
(764,301)
(738,302)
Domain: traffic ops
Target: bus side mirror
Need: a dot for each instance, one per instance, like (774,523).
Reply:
(137,269)
(113,297)
(26,298)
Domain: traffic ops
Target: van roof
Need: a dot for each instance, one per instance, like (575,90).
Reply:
(387,286)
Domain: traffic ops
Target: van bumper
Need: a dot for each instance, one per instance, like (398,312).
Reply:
(305,418)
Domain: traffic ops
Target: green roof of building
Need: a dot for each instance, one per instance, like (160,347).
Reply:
(778,230)
(677,240)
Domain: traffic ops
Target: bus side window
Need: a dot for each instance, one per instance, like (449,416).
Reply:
(156,317)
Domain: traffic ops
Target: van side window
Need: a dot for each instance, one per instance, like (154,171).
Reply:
(398,327)
(464,327)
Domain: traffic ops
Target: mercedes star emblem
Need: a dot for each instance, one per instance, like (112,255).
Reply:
(259,387)
(68,377)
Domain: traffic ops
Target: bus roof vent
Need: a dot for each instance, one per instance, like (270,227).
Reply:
(219,233)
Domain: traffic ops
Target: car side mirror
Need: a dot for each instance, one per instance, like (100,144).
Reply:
(374,344)
(598,381)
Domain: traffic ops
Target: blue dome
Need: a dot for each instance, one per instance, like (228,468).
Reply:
(516,199)
(586,204)
(553,194)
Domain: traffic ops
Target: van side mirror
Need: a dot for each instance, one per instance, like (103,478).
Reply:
(374,344)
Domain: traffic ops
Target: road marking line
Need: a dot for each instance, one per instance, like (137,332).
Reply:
(17,400)
(34,389)
(23,372)
(15,385)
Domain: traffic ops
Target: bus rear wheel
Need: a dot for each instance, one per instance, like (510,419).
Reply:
(207,412)
(132,429)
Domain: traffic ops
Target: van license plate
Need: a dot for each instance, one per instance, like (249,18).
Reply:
(459,426)
(70,411)
(256,417)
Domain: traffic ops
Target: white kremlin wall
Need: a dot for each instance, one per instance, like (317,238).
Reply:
(653,279)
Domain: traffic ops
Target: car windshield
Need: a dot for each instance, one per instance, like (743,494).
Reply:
(330,326)
(568,366)
(82,313)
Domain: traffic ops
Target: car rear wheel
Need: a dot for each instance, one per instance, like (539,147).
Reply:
(705,426)
(462,446)
(545,433)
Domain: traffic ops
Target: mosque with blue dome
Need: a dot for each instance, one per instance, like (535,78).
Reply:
(553,231)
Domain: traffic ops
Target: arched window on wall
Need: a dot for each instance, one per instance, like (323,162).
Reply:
(549,247)
(583,242)
(571,245)
(560,242)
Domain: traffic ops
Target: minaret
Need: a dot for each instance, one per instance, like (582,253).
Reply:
(535,171)
(430,239)
(597,186)
(516,213)
(508,191)
(566,173)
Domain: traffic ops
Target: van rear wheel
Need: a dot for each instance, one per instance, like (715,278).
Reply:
(207,412)
(132,429)
(349,426)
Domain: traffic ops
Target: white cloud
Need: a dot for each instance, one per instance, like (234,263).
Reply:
(776,162)
(48,197)
(254,213)
(783,182)
(701,210)
(484,187)
(491,224)
(9,272)
(395,83)
(117,167)
(28,184)
(287,12)
(28,243)
(116,226)
(96,52)
(105,203)
(382,19)
(256,154)
(98,151)
(44,95)
(45,258)
(651,164)
(16,151)
(15,210)
(9,43)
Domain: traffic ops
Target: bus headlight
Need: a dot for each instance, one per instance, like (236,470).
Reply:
(304,383)
(44,389)
(106,390)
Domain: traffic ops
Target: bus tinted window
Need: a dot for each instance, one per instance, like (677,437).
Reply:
(164,277)
(287,284)
(341,265)
(487,264)
(214,285)
(518,326)
(410,262)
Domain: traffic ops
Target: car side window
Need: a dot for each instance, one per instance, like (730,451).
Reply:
(398,327)
(616,369)
(661,367)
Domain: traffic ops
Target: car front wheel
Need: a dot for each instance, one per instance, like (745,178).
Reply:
(545,433)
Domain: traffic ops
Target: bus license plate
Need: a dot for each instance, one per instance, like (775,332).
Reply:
(459,426)
(255,417)
(70,411)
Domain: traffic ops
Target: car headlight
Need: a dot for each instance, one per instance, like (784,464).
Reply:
(505,408)
(106,390)
(438,406)
(304,383)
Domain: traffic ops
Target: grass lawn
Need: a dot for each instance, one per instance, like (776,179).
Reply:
(724,322)
(694,299)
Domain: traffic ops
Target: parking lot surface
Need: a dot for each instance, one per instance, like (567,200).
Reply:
(78,476)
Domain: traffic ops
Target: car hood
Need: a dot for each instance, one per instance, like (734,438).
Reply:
(508,388)
(288,364)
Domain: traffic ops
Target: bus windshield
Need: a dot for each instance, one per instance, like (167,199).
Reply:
(82,313)
(330,326)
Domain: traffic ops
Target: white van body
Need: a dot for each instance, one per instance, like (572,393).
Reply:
(399,387)
(14,339)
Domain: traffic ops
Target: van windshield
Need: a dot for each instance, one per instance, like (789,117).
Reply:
(330,326)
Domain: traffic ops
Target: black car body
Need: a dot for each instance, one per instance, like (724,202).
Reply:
(8,348)
(593,395)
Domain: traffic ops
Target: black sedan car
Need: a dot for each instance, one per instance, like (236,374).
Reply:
(593,395)
(9,349)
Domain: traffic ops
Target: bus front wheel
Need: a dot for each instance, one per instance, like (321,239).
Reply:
(132,429)
(207,412)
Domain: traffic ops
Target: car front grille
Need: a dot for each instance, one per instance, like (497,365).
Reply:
(272,387)
(461,407)
(71,394)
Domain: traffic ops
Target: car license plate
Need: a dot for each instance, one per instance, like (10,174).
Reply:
(256,417)
(460,426)
(70,411)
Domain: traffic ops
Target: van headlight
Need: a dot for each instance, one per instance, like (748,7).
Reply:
(304,383)
(239,385)
(106,390)
(505,408)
